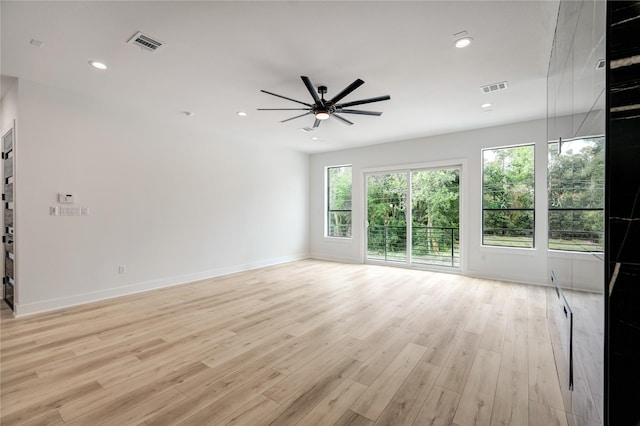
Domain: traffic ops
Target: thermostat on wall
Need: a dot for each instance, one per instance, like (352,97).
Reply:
(66,198)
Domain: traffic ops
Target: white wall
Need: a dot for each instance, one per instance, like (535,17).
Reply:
(167,199)
(9,105)
(519,265)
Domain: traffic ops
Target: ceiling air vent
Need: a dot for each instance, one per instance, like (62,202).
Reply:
(145,42)
(494,87)
(601,64)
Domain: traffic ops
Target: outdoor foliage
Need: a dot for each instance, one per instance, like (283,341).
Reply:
(576,194)
(339,202)
(508,196)
(434,195)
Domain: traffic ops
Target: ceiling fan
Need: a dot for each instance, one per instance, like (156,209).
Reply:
(323,108)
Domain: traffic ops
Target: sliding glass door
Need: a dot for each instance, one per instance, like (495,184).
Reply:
(413,217)
(387,217)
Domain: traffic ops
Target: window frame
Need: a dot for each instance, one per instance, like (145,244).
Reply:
(329,211)
(533,201)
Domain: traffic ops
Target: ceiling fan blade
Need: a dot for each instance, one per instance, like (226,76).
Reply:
(316,123)
(284,97)
(357,111)
(364,101)
(311,89)
(344,120)
(284,109)
(297,116)
(350,88)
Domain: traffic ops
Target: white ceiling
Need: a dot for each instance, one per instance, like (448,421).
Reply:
(218,55)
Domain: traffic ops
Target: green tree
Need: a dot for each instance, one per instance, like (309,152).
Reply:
(339,203)
(508,195)
(576,183)
(435,205)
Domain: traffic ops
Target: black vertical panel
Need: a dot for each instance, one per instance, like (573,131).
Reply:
(622,254)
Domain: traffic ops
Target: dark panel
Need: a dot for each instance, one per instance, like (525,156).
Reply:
(622,254)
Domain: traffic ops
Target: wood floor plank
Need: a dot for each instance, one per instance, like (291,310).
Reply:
(511,404)
(439,408)
(230,403)
(381,391)
(252,412)
(311,393)
(43,407)
(306,342)
(455,371)
(494,332)
(335,405)
(543,415)
(128,412)
(544,386)
(476,403)
(290,386)
(477,321)
(409,399)
(353,419)
(374,365)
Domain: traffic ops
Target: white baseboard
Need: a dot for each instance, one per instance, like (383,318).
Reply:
(96,296)
(334,259)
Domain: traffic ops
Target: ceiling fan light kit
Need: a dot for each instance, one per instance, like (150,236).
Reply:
(323,109)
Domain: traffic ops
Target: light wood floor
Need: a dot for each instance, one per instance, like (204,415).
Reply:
(308,343)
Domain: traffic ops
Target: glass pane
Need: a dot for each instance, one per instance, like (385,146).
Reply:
(339,224)
(386,216)
(576,194)
(339,201)
(435,217)
(509,228)
(576,230)
(576,174)
(340,188)
(508,178)
(508,182)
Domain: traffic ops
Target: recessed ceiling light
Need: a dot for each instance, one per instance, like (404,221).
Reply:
(463,42)
(487,105)
(98,65)
(461,39)
(315,138)
(241,113)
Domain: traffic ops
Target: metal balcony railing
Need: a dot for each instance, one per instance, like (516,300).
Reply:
(587,241)
(438,246)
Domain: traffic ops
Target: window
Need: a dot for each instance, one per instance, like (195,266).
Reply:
(576,194)
(339,201)
(508,181)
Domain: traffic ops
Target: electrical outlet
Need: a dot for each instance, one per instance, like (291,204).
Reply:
(122,269)
(69,211)
(53,211)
